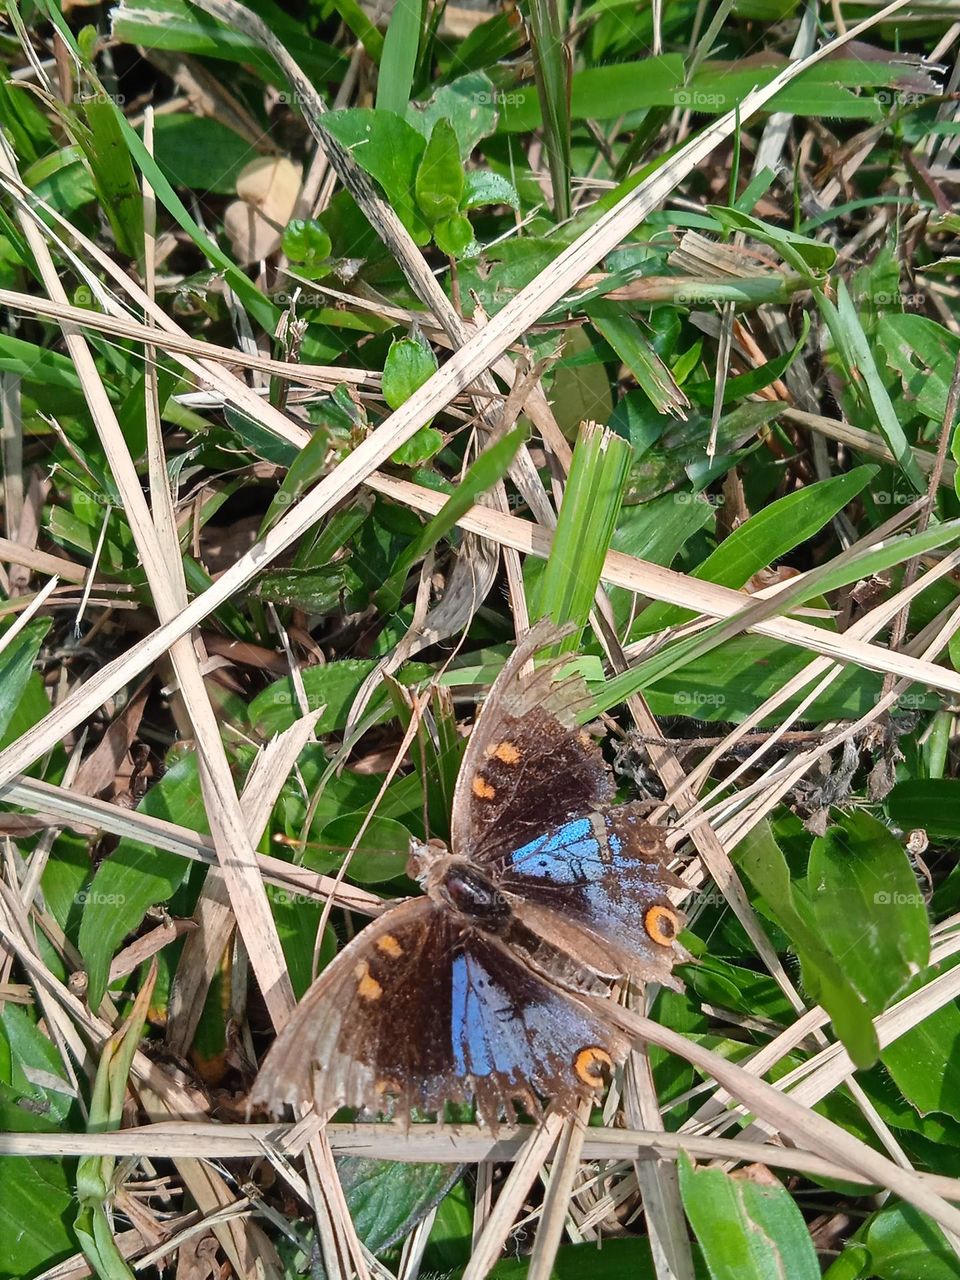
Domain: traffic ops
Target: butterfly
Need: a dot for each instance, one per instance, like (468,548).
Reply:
(484,988)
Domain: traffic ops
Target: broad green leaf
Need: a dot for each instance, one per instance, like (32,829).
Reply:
(199,152)
(36,1204)
(482,187)
(930,803)
(307,246)
(905,1244)
(388,1198)
(381,854)
(420,448)
(316,590)
(853,1264)
(923,353)
(605,93)
(34,1096)
(580,384)
(467,103)
(440,176)
(179,26)
(824,973)
(731,681)
(390,150)
(409,364)
(454,235)
(747,1231)
(333,687)
(868,907)
(924,1063)
(137,876)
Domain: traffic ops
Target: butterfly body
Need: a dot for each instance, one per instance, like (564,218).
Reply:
(485,987)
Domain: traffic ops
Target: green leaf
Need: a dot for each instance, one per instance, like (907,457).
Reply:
(587,519)
(868,907)
(483,187)
(333,687)
(634,349)
(420,448)
(179,26)
(36,1204)
(109,159)
(399,57)
(812,258)
(34,1096)
(308,246)
(824,974)
(552,65)
(409,364)
(199,152)
(381,854)
(924,1064)
(137,876)
(467,103)
(389,150)
(930,803)
(766,538)
(440,176)
(860,367)
(482,474)
(454,236)
(905,1244)
(747,1231)
(16,668)
(387,1198)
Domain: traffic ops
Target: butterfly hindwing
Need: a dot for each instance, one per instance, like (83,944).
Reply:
(599,883)
(420,1010)
(528,765)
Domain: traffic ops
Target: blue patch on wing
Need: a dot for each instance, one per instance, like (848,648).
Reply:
(569,855)
(484,1027)
(511,1025)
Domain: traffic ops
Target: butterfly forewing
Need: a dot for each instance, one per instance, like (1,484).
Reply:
(528,765)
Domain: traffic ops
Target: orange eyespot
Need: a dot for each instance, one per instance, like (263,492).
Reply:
(482,789)
(662,925)
(505,752)
(593,1065)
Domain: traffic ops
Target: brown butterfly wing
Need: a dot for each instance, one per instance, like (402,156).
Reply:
(597,887)
(420,1010)
(528,766)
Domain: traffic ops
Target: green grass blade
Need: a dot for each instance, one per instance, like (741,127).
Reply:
(399,59)
(588,518)
(553,70)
